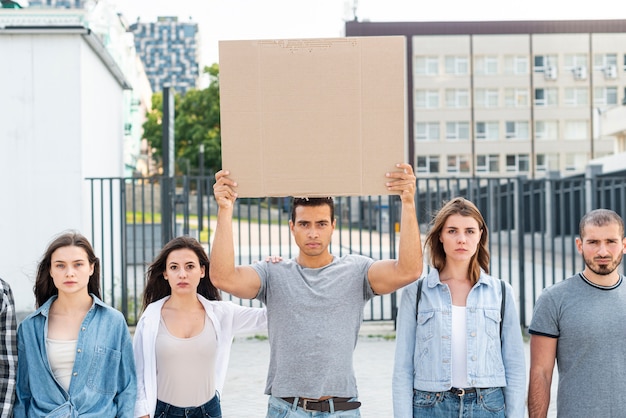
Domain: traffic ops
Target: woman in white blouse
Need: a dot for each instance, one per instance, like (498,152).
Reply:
(183,338)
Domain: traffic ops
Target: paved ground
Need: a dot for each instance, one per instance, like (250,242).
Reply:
(373,362)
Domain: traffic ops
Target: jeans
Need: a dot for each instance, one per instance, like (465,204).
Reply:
(484,403)
(277,408)
(211,409)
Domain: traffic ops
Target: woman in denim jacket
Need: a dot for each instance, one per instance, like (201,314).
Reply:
(185,333)
(75,356)
(451,359)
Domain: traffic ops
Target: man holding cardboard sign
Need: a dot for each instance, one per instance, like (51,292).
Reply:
(315,301)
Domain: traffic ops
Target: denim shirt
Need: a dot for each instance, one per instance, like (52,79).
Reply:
(423,352)
(103,383)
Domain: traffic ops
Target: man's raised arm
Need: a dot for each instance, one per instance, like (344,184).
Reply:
(385,276)
(243,281)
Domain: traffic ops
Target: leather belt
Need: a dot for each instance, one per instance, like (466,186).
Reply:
(461,392)
(340,404)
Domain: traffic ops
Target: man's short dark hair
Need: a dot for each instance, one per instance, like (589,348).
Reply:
(312,201)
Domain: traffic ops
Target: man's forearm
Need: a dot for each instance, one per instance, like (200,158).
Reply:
(410,258)
(222,264)
(538,397)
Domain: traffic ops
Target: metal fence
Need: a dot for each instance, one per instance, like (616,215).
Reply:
(532,224)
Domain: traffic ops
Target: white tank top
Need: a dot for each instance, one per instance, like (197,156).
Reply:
(459,347)
(61,356)
(186,366)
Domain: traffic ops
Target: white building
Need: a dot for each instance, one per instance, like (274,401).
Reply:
(61,122)
(509,98)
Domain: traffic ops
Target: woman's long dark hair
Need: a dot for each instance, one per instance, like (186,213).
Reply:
(156,285)
(44,287)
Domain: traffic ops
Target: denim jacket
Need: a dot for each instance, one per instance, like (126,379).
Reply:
(103,381)
(423,352)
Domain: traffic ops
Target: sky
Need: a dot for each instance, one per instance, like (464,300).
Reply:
(288,19)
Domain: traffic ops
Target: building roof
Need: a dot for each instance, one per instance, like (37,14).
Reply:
(31,22)
(485,27)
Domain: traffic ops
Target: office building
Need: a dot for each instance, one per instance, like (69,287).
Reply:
(509,98)
(169,50)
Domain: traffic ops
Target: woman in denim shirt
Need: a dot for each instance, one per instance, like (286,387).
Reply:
(450,357)
(183,338)
(75,355)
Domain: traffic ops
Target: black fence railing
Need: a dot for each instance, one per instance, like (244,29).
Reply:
(532,224)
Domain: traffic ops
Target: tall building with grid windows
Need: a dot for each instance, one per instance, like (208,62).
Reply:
(509,98)
(169,50)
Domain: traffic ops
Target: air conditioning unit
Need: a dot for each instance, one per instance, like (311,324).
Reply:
(610,72)
(580,73)
(550,73)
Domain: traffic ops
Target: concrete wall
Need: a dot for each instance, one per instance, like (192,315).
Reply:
(60,122)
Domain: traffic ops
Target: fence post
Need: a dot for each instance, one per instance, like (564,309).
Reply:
(591,173)
(521,247)
(168,165)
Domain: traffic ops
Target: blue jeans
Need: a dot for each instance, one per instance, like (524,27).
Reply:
(277,408)
(484,403)
(211,409)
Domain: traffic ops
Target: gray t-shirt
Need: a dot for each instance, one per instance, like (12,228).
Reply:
(590,324)
(313,319)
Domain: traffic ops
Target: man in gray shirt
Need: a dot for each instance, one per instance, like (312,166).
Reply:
(315,301)
(579,322)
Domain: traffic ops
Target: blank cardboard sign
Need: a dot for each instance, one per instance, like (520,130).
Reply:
(313,117)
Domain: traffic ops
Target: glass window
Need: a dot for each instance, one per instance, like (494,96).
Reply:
(458,164)
(426,65)
(486,98)
(457,98)
(487,131)
(427,99)
(516,97)
(427,131)
(547,130)
(517,130)
(428,164)
(456,65)
(488,163)
(457,131)
(576,130)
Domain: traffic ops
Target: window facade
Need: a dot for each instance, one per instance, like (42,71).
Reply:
(486,65)
(547,130)
(427,99)
(546,97)
(576,130)
(427,131)
(458,164)
(457,131)
(487,131)
(486,98)
(457,65)
(516,97)
(543,63)
(517,163)
(516,64)
(603,96)
(426,65)
(457,98)
(488,163)
(576,96)
(428,164)
(517,130)
(546,162)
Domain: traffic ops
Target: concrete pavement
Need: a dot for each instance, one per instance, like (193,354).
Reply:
(373,362)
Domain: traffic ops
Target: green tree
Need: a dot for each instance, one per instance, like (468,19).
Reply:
(196,122)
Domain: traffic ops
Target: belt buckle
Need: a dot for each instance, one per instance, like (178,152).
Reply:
(460,392)
(305,403)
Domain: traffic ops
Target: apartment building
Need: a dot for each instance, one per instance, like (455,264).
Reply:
(170,52)
(509,98)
